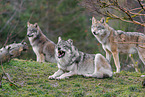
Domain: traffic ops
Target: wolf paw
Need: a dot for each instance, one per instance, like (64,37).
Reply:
(142,75)
(51,77)
(116,72)
(60,78)
(87,75)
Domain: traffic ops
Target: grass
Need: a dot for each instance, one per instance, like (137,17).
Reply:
(33,77)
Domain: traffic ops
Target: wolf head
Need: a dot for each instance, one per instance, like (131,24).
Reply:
(22,45)
(32,30)
(99,29)
(65,51)
(17,48)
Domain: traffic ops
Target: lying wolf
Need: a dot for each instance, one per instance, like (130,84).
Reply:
(17,48)
(115,42)
(71,62)
(42,46)
(12,51)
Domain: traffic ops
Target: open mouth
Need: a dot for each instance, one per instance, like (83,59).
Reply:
(61,53)
(25,48)
(30,35)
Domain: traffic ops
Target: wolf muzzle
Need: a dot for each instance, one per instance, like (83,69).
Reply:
(95,33)
(30,35)
(61,53)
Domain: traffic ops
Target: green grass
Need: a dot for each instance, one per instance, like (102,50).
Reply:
(33,77)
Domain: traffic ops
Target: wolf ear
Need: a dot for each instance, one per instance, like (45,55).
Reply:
(94,20)
(102,20)
(70,41)
(28,24)
(22,41)
(59,39)
(36,25)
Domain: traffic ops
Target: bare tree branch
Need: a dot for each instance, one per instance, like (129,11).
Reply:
(141,5)
(7,76)
(111,8)
(130,43)
(11,18)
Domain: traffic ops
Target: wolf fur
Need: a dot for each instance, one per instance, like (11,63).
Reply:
(12,51)
(4,54)
(17,48)
(71,62)
(41,45)
(113,41)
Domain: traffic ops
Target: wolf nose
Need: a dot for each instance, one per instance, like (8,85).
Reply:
(59,48)
(95,33)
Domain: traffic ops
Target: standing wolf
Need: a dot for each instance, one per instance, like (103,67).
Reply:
(113,41)
(71,62)
(42,46)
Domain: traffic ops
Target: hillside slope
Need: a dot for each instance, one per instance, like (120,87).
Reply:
(33,77)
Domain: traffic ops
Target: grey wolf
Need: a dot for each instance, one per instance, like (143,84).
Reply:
(17,48)
(41,45)
(71,62)
(113,41)
(11,51)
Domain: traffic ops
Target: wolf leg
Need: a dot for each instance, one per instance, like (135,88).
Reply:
(116,61)
(42,59)
(38,57)
(59,72)
(108,55)
(141,53)
(96,74)
(102,67)
(101,73)
(134,63)
(66,75)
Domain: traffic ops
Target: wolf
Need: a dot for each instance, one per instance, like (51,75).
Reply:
(16,48)
(12,51)
(117,41)
(41,45)
(71,62)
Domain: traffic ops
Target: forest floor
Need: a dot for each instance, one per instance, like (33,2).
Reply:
(33,78)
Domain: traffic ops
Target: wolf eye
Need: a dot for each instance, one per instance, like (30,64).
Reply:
(31,30)
(64,45)
(93,26)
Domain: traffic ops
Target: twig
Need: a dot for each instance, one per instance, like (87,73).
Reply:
(123,10)
(137,14)
(8,77)
(7,39)
(142,46)
(1,80)
(129,42)
(134,63)
(135,9)
(141,5)
(8,21)
(102,7)
(23,27)
(135,22)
